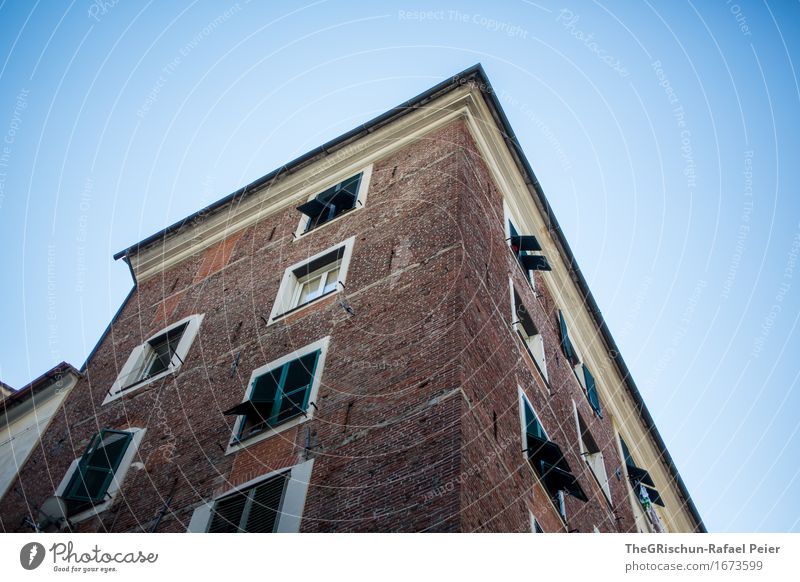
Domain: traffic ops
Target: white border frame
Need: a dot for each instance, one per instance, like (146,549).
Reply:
(322,346)
(139,355)
(361,200)
(290,514)
(289,282)
(116,481)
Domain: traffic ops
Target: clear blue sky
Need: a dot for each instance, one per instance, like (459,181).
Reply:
(665,136)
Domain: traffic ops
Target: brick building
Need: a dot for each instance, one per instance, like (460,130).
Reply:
(389,333)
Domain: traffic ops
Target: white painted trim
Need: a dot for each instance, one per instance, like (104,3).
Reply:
(139,358)
(361,199)
(595,462)
(116,481)
(289,283)
(322,346)
(290,515)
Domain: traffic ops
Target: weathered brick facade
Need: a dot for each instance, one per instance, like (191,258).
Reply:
(417,424)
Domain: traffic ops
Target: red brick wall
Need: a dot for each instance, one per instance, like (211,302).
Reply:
(403,437)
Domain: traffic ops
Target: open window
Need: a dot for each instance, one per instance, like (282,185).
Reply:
(527,331)
(525,248)
(281,394)
(93,480)
(643,485)
(593,456)
(267,504)
(582,372)
(307,281)
(335,201)
(161,354)
(547,460)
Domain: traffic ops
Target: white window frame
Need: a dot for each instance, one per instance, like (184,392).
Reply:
(361,199)
(524,398)
(235,445)
(116,481)
(290,513)
(595,461)
(289,290)
(535,342)
(141,356)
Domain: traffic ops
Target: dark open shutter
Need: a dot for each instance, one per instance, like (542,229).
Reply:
(332,202)
(566,344)
(591,391)
(526,242)
(534,263)
(97,466)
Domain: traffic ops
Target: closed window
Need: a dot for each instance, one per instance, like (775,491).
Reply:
(95,470)
(93,480)
(320,276)
(271,503)
(253,510)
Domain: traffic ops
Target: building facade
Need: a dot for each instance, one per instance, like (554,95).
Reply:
(387,334)
(25,415)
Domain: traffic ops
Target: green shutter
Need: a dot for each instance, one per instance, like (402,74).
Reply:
(532,426)
(591,391)
(284,391)
(97,466)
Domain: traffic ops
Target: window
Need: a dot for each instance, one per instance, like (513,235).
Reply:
(591,390)
(270,503)
(593,456)
(307,281)
(566,343)
(276,396)
(523,247)
(337,200)
(641,481)
(547,459)
(535,527)
(162,354)
(281,394)
(252,510)
(582,373)
(531,337)
(92,481)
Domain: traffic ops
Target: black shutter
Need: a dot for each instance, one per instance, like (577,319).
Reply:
(265,505)
(228,513)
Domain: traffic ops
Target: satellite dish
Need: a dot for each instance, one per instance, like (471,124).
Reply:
(52,513)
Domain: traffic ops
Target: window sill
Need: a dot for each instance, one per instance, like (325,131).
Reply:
(299,308)
(236,444)
(131,388)
(303,234)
